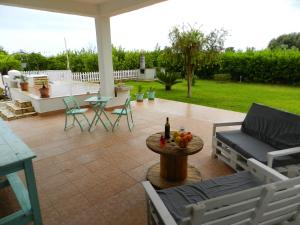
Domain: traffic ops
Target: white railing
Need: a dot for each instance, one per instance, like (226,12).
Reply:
(86,76)
(67,75)
(126,74)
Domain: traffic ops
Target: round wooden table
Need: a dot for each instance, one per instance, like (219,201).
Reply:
(173,169)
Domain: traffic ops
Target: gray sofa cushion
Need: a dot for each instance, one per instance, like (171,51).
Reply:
(250,147)
(277,128)
(178,197)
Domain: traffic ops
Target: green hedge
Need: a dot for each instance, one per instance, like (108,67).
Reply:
(277,66)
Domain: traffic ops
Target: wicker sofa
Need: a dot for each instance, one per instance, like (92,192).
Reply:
(268,135)
(260,195)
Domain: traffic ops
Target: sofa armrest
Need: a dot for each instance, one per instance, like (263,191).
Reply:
(264,172)
(158,204)
(272,155)
(225,124)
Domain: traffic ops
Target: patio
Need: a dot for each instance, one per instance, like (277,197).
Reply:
(94,177)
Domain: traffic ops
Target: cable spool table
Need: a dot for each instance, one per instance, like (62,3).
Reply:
(173,169)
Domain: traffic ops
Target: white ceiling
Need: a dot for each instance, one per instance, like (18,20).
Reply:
(90,8)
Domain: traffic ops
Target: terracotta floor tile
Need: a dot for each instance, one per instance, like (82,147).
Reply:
(50,216)
(61,192)
(86,182)
(89,216)
(138,173)
(76,172)
(53,182)
(72,205)
(98,164)
(88,157)
(98,193)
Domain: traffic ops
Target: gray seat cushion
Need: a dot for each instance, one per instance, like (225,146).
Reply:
(250,147)
(277,128)
(176,198)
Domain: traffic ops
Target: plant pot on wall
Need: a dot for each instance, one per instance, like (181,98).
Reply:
(44,91)
(151,95)
(24,86)
(139,97)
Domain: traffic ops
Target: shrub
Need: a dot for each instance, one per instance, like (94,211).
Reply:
(222,77)
(277,66)
(168,79)
(140,89)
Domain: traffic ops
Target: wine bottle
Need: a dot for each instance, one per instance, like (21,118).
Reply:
(167,129)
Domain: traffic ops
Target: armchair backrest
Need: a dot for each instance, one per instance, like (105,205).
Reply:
(272,126)
(272,203)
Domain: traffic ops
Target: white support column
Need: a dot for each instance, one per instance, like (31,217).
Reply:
(102,25)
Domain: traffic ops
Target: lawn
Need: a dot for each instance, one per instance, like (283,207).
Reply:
(232,96)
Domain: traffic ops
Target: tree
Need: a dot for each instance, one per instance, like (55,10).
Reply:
(286,41)
(187,41)
(8,62)
(194,46)
(2,51)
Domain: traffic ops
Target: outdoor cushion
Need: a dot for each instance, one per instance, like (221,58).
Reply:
(277,128)
(176,198)
(250,147)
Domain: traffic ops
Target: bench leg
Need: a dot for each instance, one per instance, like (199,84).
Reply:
(32,191)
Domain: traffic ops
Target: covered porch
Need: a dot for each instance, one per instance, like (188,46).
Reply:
(101,11)
(94,177)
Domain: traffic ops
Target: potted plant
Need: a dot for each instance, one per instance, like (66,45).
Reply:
(140,94)
(23,82)
(44,91)
(151,94)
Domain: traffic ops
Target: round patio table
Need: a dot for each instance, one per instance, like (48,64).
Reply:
(173,169)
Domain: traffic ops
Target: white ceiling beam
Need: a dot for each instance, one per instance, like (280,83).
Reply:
(70,7)
(115,7)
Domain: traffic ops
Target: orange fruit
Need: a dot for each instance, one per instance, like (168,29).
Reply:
(178,139)
(190,137)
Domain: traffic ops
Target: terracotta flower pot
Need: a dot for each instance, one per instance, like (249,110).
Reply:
(24,86)
(44,91)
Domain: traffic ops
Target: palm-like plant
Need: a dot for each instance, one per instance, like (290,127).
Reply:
(168,79)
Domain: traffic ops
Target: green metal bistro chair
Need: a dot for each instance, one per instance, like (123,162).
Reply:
(124,111)
(73,109)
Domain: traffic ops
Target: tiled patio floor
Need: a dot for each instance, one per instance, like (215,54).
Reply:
(94,177)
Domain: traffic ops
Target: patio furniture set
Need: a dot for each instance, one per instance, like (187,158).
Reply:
(98,105)
(265,190)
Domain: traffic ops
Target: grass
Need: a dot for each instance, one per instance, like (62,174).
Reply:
(232,96)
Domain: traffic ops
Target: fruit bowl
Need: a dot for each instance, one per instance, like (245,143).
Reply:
(182,138)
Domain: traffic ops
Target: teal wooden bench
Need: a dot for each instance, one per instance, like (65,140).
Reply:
(15,156)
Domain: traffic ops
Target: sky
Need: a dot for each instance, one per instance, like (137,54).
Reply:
(250,23)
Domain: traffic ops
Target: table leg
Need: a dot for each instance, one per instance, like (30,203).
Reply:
(102,111)
(96,116)
(32,192)
(173,168)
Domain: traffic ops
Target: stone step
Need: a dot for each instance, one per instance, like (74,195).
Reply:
(17,110)
(12,111)
(8,115)
(23,104)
